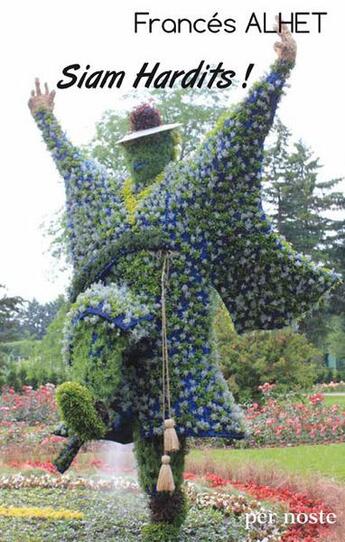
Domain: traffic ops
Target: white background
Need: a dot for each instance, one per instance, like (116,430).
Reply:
(39,38)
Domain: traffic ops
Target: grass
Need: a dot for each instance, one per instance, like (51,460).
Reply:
(327,460)
(335,400)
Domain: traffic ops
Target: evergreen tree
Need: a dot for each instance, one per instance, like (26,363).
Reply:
(299,202)
(9,311)
(336,251)
(275,175)
(35,317)
(305,209)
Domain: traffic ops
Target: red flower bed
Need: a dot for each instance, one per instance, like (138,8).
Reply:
(285,421)
(298,503)
(32,406)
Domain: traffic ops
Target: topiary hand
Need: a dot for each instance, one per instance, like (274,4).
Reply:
(286,49)
(41,101)
(78,411)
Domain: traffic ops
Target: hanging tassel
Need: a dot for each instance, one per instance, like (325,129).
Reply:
(171,442)
(165,480)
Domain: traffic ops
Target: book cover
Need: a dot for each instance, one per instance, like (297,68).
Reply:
(172,326)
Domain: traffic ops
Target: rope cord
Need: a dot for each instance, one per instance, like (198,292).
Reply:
(165,355)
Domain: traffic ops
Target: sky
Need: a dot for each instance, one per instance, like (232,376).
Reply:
(40,39)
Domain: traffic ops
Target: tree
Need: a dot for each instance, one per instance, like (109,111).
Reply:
(305,209)
(299,202)
(35,317)
(44,361)
(9,310)
(336,250)
(336,337)
(196,109)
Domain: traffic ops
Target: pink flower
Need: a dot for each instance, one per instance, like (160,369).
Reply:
(316,399)
(266,388)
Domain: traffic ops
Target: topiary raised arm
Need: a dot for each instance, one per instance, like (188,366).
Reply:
(90,192)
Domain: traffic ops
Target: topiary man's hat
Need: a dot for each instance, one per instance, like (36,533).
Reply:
(146,120)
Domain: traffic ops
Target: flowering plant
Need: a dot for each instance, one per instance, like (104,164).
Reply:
(286,421)
(33,406)
(291,501)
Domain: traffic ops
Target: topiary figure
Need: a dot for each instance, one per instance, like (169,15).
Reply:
(148,252)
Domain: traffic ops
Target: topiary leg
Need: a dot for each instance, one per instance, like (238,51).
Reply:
(168,510)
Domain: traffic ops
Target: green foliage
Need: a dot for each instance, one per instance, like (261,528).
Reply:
(67,454)
(336,337)
(165,507)
(54,229)
(18,350)
(337,255)
(50,346)
(29,371)
(148,455)
(282,357)
(298,198)
(35,317)
(146,157)
(102,373)
(160,532)
(304,209)
(9,310)
(77,408)
(196,109)
(10,307)
(35,362)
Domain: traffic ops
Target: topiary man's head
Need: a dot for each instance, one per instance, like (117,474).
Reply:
(150,145)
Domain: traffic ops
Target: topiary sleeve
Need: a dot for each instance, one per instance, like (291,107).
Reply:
(262,280)
(230,159)
(92,202)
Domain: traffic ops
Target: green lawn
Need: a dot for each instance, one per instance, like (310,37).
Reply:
(328,460)
(335,400)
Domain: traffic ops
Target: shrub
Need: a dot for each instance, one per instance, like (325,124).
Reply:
(283,357)
(35,362)
(33,372)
